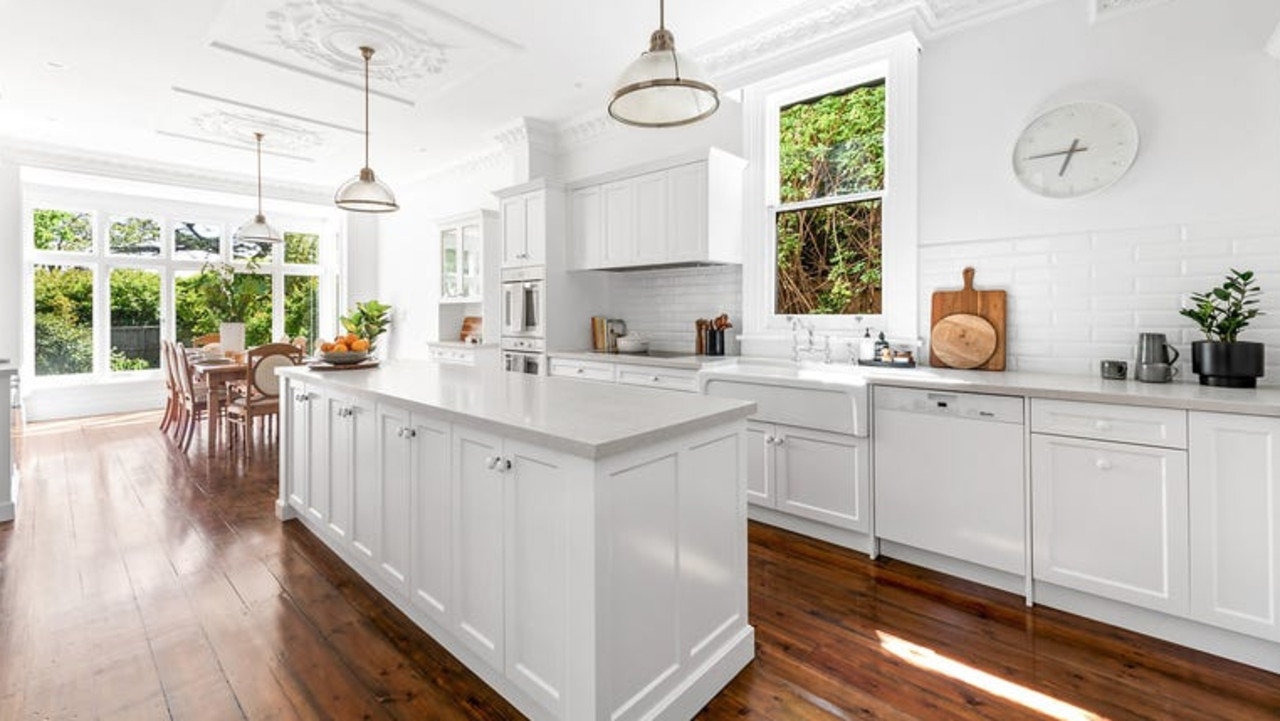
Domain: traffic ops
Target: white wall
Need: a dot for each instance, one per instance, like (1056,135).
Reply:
(1085,276)
(10,261)
(1192,73)
(408,264)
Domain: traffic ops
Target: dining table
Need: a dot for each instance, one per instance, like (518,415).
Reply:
(218,373)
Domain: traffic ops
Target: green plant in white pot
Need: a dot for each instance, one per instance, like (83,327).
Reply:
(1222,313)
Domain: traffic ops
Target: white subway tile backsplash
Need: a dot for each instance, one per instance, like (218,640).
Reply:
(663,304)
(1077,299)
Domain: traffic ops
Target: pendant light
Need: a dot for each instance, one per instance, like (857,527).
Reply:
(365,193)
(258,230)
(663,88)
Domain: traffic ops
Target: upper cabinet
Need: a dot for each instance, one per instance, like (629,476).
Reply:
(685,211)
(462,256)
(528,212)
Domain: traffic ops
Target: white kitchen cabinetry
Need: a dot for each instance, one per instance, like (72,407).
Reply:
(477,543)
(524,228)
(582,369)
(298,445)
(467,354)
(462,256)
(347,451)
(1235,522)
(815,474)
(671,379)
(1110,518)
(687,212)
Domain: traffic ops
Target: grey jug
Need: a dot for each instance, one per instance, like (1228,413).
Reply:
(1156,359)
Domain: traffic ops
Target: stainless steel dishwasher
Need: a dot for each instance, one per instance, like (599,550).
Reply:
(949,474)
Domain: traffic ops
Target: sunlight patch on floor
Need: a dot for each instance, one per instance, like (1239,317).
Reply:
(930,660)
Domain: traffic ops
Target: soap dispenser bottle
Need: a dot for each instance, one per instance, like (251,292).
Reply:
(882,348)
(867,347)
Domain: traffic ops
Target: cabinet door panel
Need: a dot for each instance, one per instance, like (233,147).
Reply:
(651,228)
(396,464)
(299,445)
(759,464)
(340,463)
(366,498)
(477,544)
(1111,519)
(1235,522)
(687,216)
(822,476)
(619,223)
(537,573)
(535,214)
(431,521)
(586,217)
(514,231)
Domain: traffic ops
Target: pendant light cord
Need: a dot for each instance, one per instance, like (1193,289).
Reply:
(259,137)
(368,53)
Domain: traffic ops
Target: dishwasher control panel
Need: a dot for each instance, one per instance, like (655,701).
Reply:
(976,406)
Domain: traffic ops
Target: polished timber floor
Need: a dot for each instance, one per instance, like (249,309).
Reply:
(139,582)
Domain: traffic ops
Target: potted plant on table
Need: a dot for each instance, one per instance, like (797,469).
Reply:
(1222,313)
(232,297)
(369,320)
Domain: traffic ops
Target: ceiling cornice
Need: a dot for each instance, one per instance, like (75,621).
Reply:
(115,166)
(1273,45)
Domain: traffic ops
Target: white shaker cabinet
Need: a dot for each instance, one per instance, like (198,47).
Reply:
(809,473)
(524,229)
(348,453)
(586,217)
(1235,522)
(1111,519)
(296,438)
(396,436)
(477,543)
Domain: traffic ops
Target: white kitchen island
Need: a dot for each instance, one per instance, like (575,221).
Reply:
(581,548)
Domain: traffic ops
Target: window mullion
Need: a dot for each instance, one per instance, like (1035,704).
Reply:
(830,200)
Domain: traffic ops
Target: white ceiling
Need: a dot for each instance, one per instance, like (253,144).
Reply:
(187,82)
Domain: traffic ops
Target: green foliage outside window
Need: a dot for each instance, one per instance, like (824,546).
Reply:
(62,230)
(302,308)
(134,236)
(829,257)
(301,248)
(63,320)
(135,319)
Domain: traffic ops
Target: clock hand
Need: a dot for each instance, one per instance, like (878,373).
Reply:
(1075,148)
(1053,155)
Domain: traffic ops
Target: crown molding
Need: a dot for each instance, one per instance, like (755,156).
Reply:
(115,166)
(1273,45)
(1100,10)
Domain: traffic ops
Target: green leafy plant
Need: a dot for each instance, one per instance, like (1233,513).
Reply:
(1224,311)
(369,320)
(232,297)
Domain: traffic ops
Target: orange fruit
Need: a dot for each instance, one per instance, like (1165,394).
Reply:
(339,347)
(326,347)
(360,345)
(350,338)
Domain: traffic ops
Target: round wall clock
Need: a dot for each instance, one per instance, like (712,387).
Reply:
(1075,150)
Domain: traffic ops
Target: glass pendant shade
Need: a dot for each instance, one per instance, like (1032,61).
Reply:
(365,193)
(663,88)
(258,229)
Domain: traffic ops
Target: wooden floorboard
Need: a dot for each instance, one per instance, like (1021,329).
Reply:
(141,582)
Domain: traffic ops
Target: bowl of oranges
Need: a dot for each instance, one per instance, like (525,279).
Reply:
(345,350)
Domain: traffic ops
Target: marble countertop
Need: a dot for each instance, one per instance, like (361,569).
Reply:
(685,361)
(1181,394)
(584,419)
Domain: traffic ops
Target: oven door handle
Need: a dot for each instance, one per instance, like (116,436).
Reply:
(513,308)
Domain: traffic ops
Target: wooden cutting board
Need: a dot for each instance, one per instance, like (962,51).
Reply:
(989,305)
(963,340)
(471,326)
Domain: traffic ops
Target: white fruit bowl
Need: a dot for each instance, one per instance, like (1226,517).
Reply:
(628,344)
(342,358)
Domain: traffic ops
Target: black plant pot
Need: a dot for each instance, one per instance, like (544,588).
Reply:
(1228,365)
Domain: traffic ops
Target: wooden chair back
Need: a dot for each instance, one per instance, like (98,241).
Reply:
(262,362)
(206,339)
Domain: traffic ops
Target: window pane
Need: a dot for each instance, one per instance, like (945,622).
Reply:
(197,241)
(257,322)
(192,315)
(135,319)
(63,320)
(829,260)
(832,145)
(252,249)
(63,230)
(302,308)
(301,247)
(134,236)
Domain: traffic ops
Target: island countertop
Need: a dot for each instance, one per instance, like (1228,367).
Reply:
(588,420)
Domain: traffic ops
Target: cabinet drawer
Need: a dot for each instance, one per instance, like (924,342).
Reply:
(1165,427)
(587,370)
(453,355)
(668,378)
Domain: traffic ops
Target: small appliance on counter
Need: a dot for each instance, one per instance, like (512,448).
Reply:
(605,333)
(1156,359)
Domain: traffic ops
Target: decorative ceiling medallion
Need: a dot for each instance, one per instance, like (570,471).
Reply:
(330,33)
(281,135)
(1106,9)
(420,50)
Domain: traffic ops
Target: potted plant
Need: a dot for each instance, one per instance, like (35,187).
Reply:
(232,297)
(1221,359)
(369,320)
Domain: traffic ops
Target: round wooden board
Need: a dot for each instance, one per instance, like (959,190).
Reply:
(963,340)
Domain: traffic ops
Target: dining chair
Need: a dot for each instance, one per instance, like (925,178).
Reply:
(193,399)
(260,397)
(170,387)
(206,339)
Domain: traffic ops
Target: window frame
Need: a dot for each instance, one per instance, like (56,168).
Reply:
(895,60)
(103,207)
